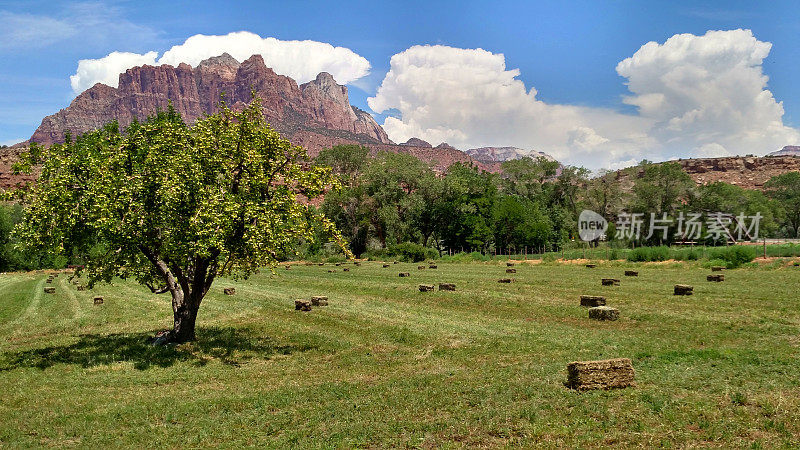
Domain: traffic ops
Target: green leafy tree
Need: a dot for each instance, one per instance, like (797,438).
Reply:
(174,206)
(735,200)
(468,197)
(392,182)
(785,189)
(661,187)
(526,176)
(348,207)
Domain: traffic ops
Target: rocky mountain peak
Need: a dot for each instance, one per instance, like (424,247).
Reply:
(417,142)
(224,59)
(445,146)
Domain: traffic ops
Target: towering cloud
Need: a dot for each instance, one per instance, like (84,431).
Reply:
(707,94)
(696,95)
(300,60)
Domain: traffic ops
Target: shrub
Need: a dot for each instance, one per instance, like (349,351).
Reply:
(735,255)
(643,254)
(406,251)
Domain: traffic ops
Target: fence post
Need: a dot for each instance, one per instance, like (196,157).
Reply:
(765,248)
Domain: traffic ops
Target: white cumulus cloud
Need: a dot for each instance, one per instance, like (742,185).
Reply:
(695,95)
(300,60)
(708,94)
(106,70)
(468,98)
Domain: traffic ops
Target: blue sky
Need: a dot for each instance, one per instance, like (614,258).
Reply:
(568,51)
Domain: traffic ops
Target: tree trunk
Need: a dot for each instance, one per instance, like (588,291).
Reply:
(185,317)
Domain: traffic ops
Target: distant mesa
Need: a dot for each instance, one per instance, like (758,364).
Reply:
(789,150)
(501,154)
(416,142)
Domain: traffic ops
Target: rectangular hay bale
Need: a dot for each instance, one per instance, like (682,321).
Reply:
(683,289)
(603,313)
(319,300)
(447,287)
(605,374)
(592,300)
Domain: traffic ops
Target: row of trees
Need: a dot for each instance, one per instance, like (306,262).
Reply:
(394,198)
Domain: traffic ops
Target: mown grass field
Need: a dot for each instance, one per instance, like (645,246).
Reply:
(386,365)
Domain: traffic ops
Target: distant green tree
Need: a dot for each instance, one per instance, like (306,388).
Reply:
(520,223)
(392,181)
(785,189)
(604,194)
(175,206)
(526,176)
(468,197)
(728,198)
(347,161)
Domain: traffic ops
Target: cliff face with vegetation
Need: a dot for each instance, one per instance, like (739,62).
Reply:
(749,172)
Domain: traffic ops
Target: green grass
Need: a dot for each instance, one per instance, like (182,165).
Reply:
(386,365)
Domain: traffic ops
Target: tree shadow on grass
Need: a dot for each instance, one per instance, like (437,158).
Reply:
(228,345)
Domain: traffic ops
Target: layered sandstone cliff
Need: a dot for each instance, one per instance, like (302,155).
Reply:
(320,105)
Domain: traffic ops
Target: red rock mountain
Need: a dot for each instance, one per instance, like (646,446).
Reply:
(320,106)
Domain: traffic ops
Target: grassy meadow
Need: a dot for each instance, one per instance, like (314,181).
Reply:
(388,366)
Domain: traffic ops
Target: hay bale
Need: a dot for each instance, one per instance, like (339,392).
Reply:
(631,273)
(385,266)
(357,264)
(716,278)
(319,300)
(229,291)
(302,305)
(592,300)
(49,290)
(404,274)
(420,267)
(309,264)
(609,282)
(591,266)
(683,289)
(603,313)
(331,271)
(606,374)
(505,280)
(510,264)
(447,287)
(49,281)
(338,264)
(288,267)
(717,269)
(321,264)
(395,262)
(346,269)
(511,270)
(98,300)
(426,288)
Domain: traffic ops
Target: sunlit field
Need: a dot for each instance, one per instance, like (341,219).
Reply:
(386,365)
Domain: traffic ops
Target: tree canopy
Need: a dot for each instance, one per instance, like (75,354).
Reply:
(175,206)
